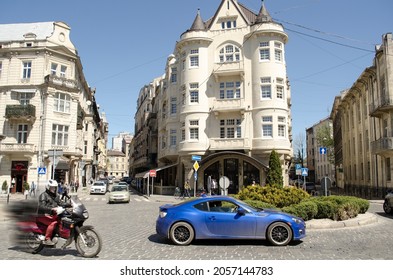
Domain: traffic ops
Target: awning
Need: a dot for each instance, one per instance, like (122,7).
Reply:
(63,164)
(165,167)
(145,174)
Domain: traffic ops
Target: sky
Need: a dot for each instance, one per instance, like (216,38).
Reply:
(124,45)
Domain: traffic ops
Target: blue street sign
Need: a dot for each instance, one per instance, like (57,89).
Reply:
(305,172)
(197,158)
(298,166)
(41,170)
(323,150)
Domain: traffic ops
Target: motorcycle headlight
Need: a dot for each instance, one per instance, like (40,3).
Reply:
(85,214)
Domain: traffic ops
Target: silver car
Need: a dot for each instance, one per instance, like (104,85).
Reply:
(388,203)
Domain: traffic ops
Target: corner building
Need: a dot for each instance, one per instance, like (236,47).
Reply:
(225,97)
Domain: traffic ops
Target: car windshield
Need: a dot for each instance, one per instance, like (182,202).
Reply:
(119,188)
(99,183)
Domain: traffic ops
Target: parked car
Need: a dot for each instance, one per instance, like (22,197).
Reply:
(99,187)
(119,193)
(310,187)
(126,179)
(223,217)
(296,182)
(388,203)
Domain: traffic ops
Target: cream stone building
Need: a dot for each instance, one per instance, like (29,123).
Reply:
(224,97)
(49,120)
(363,128)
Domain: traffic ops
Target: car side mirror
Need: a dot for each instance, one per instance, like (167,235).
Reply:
(241,211)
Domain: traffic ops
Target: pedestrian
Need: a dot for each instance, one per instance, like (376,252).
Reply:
(76,186)
(187,188)
(32,188)
(65,192)
(12,184)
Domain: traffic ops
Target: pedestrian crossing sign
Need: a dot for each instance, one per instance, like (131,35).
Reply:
(41,170)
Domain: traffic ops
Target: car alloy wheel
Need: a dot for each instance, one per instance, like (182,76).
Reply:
(279,234)
(181,233)
(387,208)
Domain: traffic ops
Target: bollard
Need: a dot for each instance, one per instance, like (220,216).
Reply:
(8,198)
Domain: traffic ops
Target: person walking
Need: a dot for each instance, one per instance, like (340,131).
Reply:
(187,188)
(32,188)
(65,192)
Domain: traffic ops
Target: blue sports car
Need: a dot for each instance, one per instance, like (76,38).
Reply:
(223,217)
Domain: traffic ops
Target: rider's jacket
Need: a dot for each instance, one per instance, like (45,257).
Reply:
(48,200)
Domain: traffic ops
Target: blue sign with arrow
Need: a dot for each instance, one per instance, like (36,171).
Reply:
(323,150)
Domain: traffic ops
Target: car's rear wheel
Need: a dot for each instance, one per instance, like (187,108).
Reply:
(387,208)
(279,234)
(181,233)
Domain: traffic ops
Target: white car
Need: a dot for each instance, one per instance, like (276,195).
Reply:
(98,187)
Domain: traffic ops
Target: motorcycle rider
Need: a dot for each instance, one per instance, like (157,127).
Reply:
(50,205)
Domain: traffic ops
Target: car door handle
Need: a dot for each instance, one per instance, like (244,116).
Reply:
(212,218)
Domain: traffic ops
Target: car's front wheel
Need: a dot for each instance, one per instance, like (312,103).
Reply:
(181,233)
(279,234)
(387,208)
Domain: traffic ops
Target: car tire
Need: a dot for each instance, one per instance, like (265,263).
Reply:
(182,233)
(387,208)
(279,234)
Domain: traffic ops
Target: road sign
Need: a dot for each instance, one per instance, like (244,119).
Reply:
(196,166)
(197,158)
(41,170)
(323,150)
(298,169)
(298,166)
(152,173)
(305,172)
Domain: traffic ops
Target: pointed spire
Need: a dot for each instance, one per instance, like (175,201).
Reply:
(198,23)
(263,15)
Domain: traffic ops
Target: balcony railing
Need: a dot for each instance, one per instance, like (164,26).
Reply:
(382,104)
(228,68)
(20,112)
(230,144)
(228,105)
(16,147)
(61,82)
(382,145)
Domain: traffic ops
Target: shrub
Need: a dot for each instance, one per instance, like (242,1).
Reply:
(274,174)
(4,186)
(326,208)
(279,197)
(347,211)
(306,210)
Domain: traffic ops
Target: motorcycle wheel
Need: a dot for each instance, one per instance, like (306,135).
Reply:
(32,243)
(88,243)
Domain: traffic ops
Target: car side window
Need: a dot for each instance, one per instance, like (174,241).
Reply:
(202,206)
(222,206)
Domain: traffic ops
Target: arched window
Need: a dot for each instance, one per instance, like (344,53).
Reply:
(229,53)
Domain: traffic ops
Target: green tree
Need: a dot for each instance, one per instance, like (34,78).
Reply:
(274,174)
(324,139)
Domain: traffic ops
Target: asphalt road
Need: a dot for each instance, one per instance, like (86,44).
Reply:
(128,233)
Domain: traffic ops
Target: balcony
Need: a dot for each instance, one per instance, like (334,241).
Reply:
(383,146)
(228,69)
(381,106)
(228,105)
(229,144)
(20,113)
(61,83)
(8,148)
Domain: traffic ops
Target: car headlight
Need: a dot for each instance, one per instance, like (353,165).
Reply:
(163,214)
(297,220)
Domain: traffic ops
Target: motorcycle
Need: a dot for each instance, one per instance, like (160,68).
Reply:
(70,227)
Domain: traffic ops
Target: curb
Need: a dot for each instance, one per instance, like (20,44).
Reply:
(360,220)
